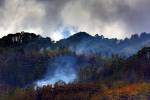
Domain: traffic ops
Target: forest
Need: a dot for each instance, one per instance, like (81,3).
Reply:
(94,67)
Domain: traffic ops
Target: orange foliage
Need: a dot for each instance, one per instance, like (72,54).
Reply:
(85,91)
(130,89)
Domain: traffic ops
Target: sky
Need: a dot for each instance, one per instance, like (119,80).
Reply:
(61,18)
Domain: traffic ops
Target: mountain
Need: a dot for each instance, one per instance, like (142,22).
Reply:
(74,39)
(80,43)
(26,57)
(28,62)
(83,43)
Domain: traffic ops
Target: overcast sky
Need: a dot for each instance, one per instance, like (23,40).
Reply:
(61,18)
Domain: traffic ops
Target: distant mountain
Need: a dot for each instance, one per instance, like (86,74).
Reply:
(80,43)
(26,57)
(83,43)
(26,42)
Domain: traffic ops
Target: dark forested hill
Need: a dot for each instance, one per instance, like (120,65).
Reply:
(79,67)
(83,43)
(27,57)
(80,43)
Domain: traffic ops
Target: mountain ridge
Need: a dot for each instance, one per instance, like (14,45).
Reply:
(84,43)
(80,43)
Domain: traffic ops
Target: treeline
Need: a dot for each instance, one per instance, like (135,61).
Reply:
(25,57)
(22,39)
(19,69)
(133,69)
(103,78)
(82,91)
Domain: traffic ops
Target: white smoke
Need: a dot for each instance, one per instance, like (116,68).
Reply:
(63,69)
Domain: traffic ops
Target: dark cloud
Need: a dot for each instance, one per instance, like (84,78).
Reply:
(52,18)
(2,3)
(112,18)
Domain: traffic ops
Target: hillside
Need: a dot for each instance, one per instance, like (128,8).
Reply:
(82,66)
(83,43)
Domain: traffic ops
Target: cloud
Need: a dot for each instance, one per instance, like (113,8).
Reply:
(2,3)
(112,18)
(17,15)
(60,18)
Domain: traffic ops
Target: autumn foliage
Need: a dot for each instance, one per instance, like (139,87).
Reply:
(25,58)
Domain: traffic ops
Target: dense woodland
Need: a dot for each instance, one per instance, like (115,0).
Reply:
(26,57)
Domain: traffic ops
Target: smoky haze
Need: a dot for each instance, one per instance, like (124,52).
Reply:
(61,18)
(63,68)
